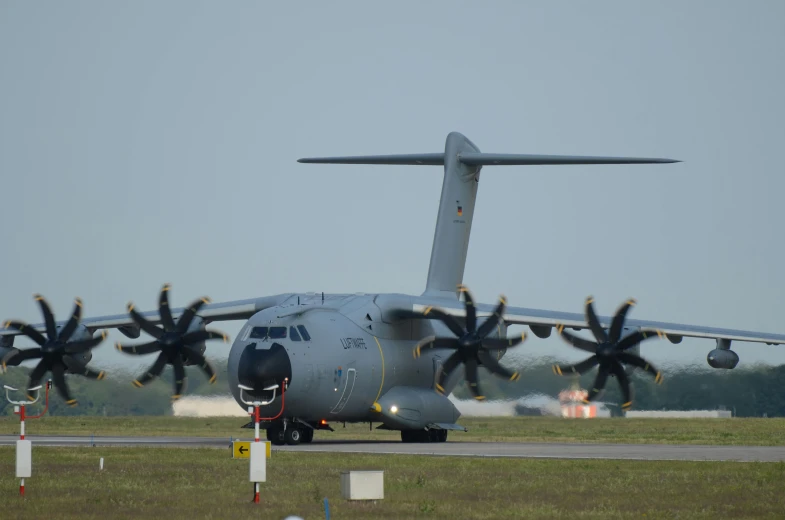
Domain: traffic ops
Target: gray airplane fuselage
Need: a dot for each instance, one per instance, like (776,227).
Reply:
(352,359)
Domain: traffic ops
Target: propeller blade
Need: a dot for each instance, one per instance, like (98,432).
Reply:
(492,365)
(36,375)
(447,369)
(75,367)
(143,323)
(471,310)
(188,316)
(470,367)
(502,343)
(164,310)
(636,338)
(594,323)
(77,347)
(49,319)
(599,382)
(575,341)
(447,319)
(139,350)
(70,327)
(202,335)
(152,372)
(624,382)
(579,368)
(632,359)
(58,371)
(493,320)
(27,330)
(16,356)
(618,320)
(430,342)
(198,359)
(179,377)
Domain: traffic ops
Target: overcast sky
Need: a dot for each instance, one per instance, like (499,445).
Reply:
(149,142)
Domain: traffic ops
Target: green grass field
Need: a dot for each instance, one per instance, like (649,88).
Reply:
(177,483)
(206,483)
(737,431)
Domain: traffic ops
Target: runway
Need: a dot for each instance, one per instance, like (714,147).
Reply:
(458,449)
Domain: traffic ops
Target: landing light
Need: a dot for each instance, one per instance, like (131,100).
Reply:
(393,409)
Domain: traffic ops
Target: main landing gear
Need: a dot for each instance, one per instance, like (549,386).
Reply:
(424,435)
(291,434)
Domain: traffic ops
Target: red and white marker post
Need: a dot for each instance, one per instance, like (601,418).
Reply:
(255,440)
(24,448)
(258,455)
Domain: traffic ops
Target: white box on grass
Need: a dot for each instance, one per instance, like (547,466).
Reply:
(362,485)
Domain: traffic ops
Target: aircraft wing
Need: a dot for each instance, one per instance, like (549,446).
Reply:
(224,311)
(674,331)
(541,320)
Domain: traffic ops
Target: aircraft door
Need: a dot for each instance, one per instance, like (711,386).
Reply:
(346,392)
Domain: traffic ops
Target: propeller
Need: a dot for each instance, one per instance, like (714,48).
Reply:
(55,350)
(610,352)
(472,345)
(173,342)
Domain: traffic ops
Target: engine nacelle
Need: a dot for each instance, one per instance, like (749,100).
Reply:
(722,358)
(541,331)
(82,333)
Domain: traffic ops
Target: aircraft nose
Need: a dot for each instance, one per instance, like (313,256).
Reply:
(262,368)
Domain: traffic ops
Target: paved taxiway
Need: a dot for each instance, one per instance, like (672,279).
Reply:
(464,449)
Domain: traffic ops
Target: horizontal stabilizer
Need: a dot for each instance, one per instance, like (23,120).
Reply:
(483,159)
(426,159)
(505,159)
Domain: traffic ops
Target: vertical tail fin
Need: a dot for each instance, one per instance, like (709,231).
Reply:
(454,221)
(462,162)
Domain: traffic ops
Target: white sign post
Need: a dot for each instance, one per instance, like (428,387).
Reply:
(24,448)
(258,455)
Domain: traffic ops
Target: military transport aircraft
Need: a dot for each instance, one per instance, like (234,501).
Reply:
(385,358)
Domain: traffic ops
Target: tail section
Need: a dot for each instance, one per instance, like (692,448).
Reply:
(462,162)
(454,221)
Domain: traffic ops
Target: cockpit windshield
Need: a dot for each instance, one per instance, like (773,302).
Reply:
(268,333)
(264,333)
(277,332)
(258,333)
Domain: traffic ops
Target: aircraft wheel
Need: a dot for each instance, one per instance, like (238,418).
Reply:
(407,435)
(293,436)
(276,436)
(434,435)
(442,435)
(307,435)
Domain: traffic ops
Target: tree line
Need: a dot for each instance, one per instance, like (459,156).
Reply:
(754,391)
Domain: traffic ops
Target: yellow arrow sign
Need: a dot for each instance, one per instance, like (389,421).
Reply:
(242,449)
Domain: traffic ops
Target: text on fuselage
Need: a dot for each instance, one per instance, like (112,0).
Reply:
(353,343)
